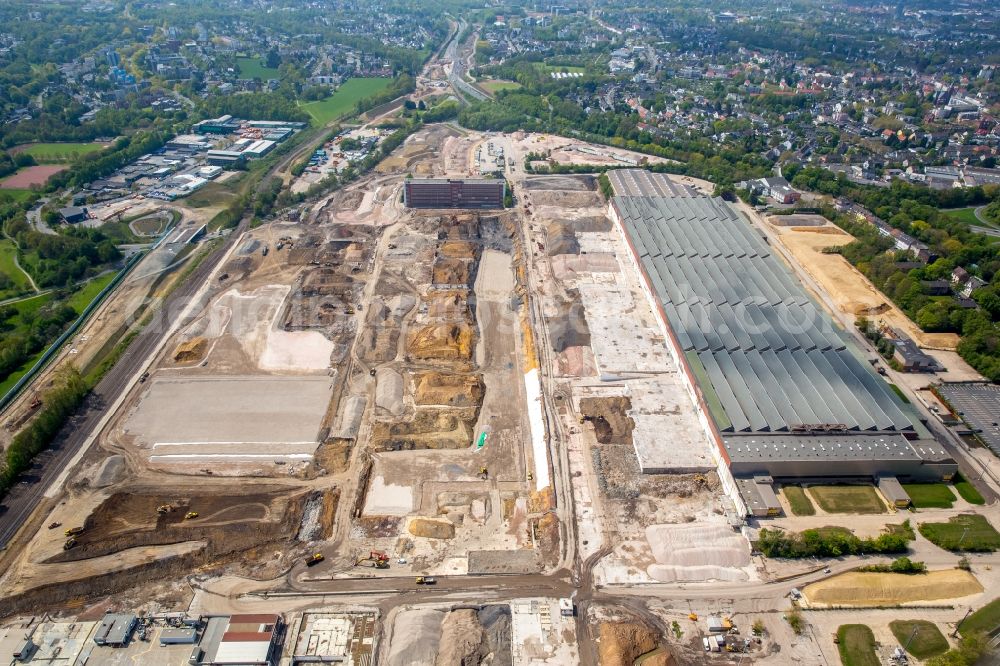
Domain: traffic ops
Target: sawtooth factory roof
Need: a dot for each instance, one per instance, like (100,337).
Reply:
(768,359)
(642,183)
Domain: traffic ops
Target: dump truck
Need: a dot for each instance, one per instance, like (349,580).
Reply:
(73,531)
(426,580)
(314,559)
(70,542)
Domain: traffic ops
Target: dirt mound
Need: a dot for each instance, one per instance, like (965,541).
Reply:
(568,327)
(334,455)
(443,342)
(872,311)
(431,529)
(560,239)
(452,271)
(461,638)
(608,415)
(190,351)
(448,305)
(886,589)
(435,388)
(429,429)
(457,250)
(621,643)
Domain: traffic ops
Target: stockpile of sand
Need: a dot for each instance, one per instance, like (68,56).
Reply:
(451,271)
(389,391)
(457,250)
(697,552)
(415,636)
(461,636)
(560,239)
(621,643)
(858,588)
(191,350)
(445,342)
(431,529)
(435,388)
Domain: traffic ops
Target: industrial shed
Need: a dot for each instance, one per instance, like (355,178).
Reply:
(786,392)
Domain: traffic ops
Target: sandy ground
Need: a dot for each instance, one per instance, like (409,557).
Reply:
(849,289)
(33,175)
(881,589)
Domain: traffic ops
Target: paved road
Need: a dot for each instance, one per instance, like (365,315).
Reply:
(23,498)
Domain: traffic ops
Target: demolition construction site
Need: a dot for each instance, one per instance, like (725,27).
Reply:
(429,426)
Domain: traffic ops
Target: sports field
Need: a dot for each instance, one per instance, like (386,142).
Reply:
(341,103)
(847,499)
(254,68)
(496,85)
(47,153)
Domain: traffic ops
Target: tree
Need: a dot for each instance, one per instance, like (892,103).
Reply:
(272,59)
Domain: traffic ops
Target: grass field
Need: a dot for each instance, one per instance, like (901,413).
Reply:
(986,619)
(7,266)
(494,86)
(28,305)
(798,501)
(847,499)
(964,215)
(561,68)
(253,68)
(49,153)
(927,640)
(81,299)
(930,495)
(857,645)
(341,103)
(967,490)
(968,532)
(16,195)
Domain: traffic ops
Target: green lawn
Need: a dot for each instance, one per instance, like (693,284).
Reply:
(986,619)
(967,490)
(253,68)
(7,266)
(561,68)
(798,501)
(81,299)
(494,86)
(930,495)
(964,215)
(857,645)
(968,532)
(847,499)
(49,153)
(927,642)
(341,103)
(14,194)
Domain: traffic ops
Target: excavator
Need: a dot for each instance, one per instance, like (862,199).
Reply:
(376,559)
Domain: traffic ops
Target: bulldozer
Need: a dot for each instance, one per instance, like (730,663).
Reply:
(314,559)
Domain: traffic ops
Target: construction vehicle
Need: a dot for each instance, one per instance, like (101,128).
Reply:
(376,559)
(484,473)
(73,531)
(693,617)
(426,580)
(144,377)
(164,508)
(314,559)
(36,403)
(190,515)
(52,526)
(70,542)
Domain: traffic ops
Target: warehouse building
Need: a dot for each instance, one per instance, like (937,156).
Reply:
(116,629)
(454,193)
(244,640)
(783,391)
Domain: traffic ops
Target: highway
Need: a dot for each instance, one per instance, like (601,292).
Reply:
(456,74)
